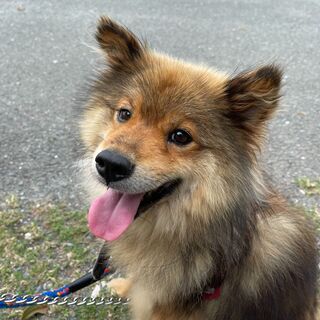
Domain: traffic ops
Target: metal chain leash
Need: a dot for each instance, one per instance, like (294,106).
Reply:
(60,296)
(76,301)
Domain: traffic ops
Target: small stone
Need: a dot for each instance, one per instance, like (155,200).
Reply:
(96,291)
(20,7)
(28,236)
(69,244)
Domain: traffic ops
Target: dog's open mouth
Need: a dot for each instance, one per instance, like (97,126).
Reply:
(152,197)
(113,212)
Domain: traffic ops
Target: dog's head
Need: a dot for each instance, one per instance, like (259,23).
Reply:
(155,127)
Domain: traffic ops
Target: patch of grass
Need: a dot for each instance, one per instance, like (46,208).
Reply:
(44,247)
(308,186)
(314,214)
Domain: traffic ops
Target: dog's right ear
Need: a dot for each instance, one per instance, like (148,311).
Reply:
(120,45)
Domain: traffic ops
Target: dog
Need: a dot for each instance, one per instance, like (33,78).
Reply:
(187,213)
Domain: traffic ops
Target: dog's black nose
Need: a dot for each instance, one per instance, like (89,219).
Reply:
(112,166)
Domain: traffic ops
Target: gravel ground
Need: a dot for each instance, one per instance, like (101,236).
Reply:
(46,56)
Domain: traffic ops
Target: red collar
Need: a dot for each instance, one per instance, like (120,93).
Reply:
(211,294)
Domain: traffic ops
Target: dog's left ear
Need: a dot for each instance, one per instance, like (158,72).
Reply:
(252,98)
(120,45)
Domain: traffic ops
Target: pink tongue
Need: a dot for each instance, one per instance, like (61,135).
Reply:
(112,213)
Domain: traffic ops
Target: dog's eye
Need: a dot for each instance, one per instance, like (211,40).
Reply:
(180,137)
(124,115)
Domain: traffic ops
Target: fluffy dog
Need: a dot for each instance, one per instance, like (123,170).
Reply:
(186,212)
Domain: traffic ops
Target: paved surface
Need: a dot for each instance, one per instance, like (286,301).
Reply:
(45,58)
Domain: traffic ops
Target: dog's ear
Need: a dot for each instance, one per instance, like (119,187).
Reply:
(120,45)
(252,98)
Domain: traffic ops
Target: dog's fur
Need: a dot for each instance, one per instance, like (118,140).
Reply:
(223,225)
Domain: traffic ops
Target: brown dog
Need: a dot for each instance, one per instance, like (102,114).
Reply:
(188,214)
